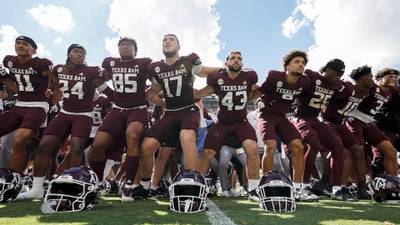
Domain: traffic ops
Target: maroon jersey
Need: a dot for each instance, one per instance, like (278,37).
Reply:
(316,97)
(129,80)
(343,102)
(77,86)
(279,95)
(373,103)
(176,80)
(232,94)
(101,106)
(31,82)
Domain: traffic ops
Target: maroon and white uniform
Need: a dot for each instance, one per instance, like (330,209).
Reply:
(314,132)
(176,81)
(31,107)
(279,97)
(130,104)
(78,87)
(361,120)
(343,102)
(232,115)
(101,107)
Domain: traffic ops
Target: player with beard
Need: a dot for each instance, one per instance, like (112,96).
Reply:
(174,76)
(280,90)
(362,122)
(343,102)
(316,133)
(128,114)
(77,82)
(32,76)
(232,86)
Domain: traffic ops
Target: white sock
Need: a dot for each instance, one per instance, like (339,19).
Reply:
(135,186)
(253,184)
(107,168)
(153,187)
(145,184)
(37,183)
(297,186)
(37,186)
(335,189)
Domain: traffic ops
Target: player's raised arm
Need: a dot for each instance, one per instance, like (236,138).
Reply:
(205,91)
(255,92)
(204,71)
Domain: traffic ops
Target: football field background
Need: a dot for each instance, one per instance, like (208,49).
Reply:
(241,211)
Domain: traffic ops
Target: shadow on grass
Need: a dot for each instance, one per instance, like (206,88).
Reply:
(108,211)
(324,211)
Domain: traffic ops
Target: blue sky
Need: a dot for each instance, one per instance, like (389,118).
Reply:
(263,30)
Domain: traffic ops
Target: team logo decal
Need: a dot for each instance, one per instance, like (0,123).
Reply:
(59,69)
(318,82)
(220,81)
(9,64)
(112,63)
(157,69)
(279,84)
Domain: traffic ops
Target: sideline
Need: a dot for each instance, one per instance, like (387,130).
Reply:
(216,216)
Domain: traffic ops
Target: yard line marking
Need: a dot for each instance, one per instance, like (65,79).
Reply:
(216,216)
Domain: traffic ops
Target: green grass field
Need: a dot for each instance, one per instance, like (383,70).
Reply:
(111,211)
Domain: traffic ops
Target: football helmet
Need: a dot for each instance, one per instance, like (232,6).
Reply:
(386,189)
(10,185)
(27,182)
(276,193)
(75,189)
(188,192)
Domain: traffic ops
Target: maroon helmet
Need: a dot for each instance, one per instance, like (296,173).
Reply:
(75,189)
(188,192)
(276,193)
(10,185)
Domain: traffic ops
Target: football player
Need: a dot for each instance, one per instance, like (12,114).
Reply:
(174,76)
(233,86)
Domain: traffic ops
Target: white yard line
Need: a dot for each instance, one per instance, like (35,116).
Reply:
(216,216)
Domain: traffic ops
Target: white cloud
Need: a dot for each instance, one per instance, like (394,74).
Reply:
(7,42)
(291,26)
(53,17)
(359,32)
(8,34)
(58,40)
(42,51)
(194,22)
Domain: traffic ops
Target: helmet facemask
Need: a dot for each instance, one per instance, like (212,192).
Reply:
(66,194)
(188,196)
(10,185)
(277,197)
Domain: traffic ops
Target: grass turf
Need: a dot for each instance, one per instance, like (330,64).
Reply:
(111,211)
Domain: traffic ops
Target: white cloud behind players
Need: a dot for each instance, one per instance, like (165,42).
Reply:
(358,32)
(56,18)
(195,22)
(8,34)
